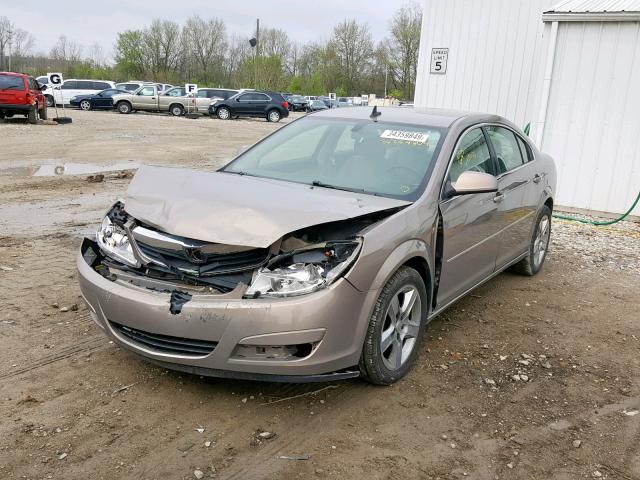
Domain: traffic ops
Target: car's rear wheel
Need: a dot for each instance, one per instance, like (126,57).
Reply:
(176,110)
(124,107)
(43,113)
(33,115)
(223,113)
(532,263)
(395,328)
(50,102)
(273,116)
(85,105)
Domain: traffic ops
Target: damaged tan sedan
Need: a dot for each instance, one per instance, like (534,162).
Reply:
(323,251)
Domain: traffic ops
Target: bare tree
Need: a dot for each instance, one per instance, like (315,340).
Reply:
(404,42)
(162,47)
(66,50)
(96,55)
(205,45)
(353,48)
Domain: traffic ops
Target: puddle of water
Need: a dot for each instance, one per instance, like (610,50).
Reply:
(53,170)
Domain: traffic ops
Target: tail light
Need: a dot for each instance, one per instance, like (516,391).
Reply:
(285,104)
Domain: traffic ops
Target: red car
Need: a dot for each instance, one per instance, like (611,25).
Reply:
(21,94)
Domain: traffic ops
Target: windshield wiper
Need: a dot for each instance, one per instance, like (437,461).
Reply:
(318,183)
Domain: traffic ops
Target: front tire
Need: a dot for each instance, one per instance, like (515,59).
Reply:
(273,116)
(395,328)
(532,263)
(124,107)
(85,105)
(50,101)
(223,113)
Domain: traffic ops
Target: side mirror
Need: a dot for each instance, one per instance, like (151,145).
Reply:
(472,182)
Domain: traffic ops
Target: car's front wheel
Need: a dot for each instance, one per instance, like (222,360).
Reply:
(85,105)
(124,107)
(223,113)
(532,263)
(395,328)
(273,116)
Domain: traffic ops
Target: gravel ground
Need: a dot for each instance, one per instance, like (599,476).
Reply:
(526,378)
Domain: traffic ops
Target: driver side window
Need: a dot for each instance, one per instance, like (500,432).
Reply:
(472,154)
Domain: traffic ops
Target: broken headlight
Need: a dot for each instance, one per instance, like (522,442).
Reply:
(304,271)
(114,242)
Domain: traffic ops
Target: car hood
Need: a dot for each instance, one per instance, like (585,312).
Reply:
(237,209)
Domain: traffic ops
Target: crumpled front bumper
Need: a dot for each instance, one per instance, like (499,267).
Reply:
(333,320)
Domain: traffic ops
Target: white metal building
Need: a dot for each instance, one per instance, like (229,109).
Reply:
(571,70)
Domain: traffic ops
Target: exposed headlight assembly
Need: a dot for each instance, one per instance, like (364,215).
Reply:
(304,271)
(113,239)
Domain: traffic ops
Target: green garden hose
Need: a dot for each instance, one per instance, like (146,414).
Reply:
(592,222)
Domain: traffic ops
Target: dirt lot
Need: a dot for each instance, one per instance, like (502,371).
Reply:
(74,406)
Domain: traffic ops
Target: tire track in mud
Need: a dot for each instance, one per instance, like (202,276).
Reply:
(95,342)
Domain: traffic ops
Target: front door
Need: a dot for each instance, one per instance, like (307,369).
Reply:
(471,224)
(146,98)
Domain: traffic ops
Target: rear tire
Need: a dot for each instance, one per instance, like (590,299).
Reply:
(124,107)
(273,116)
(85,105)
(176,110)
(43,113)
(223,113)
(50,101)
(33,115)
(393,338)
(532,263)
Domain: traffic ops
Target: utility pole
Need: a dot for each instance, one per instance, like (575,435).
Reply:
(386,79)
(9,37)
(257,53)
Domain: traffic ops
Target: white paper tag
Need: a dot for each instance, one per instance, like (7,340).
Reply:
(405,136)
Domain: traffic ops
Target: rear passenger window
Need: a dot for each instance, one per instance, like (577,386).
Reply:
(525,150)
(85,85)
(101,85)
(472,154)
(506,147)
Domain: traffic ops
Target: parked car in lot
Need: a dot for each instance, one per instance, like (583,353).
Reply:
(323,251)
(148,98)
(345,102)
(132,85)
(329,102)
(251,103)
(204,97)
(97,101)
(72,88)
(20,94)
(317,105)
(297,103)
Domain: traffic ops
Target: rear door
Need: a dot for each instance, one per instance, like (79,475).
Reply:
(260,103)
(516,206)
(470,222)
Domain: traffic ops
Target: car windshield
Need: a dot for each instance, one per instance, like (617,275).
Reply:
(11,82)
(379,158)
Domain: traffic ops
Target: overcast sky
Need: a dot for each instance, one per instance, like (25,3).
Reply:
(89,21)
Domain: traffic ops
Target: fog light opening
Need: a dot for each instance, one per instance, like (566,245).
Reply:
(274,352)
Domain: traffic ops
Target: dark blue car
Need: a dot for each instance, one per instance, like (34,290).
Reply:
(96,101)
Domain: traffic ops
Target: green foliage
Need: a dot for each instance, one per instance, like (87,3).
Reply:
(129,53)
(268,75)
(341,91)
(296,85)
(396,93)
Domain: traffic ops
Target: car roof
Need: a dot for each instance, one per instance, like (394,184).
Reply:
(17,74)
(433,117)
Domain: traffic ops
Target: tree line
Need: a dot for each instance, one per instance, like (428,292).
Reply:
(202,51)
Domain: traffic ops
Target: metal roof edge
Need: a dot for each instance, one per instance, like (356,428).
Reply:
(591,17)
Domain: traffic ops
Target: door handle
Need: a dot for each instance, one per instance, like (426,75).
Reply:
(536,178)
(499,197)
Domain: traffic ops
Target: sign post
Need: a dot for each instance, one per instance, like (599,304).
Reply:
(55,80)
(190,90)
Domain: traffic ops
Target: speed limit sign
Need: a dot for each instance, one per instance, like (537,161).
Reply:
(439,59)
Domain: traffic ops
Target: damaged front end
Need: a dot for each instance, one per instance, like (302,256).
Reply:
(301,262)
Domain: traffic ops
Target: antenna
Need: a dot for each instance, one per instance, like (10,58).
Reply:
(375,114)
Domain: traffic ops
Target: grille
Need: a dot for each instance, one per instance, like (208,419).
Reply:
(200,264)
(166,343)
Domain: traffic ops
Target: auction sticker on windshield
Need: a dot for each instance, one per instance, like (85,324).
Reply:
(405,136)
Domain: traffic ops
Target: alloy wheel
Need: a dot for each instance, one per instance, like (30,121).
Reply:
(541,242)
(401,327)
(85,105)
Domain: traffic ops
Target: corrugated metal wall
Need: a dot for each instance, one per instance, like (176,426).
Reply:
(593,121)
(495,49)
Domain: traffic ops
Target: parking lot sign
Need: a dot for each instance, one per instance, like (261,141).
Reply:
(190,87)
(55,79)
